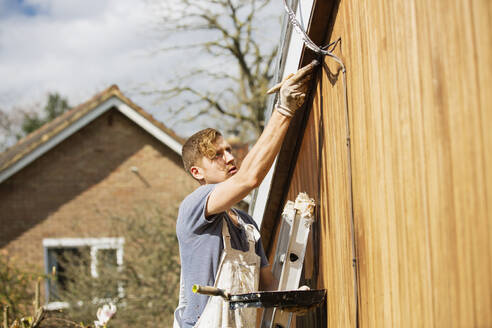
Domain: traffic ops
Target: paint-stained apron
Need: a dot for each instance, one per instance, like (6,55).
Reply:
(238,273)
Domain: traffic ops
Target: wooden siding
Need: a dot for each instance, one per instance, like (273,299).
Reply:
(332,256)
(420,107)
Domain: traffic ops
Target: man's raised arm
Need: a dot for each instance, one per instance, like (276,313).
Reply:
(260,158)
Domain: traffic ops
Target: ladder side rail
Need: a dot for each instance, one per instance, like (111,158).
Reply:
(285,235)
(299,217)
(294,264)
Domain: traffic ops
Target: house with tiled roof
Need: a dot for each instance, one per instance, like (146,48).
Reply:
(59,183)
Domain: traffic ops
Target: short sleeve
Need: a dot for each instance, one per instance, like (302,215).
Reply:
(191,216)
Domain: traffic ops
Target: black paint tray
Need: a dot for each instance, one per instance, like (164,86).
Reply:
(289,299)
(292,299)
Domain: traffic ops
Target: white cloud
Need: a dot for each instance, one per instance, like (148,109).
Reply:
(76,48)
(80,47)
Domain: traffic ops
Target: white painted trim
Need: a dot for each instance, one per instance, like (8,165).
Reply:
(262,195)
(95,244)
(85,120)
(96,248)
(292,61)
(296,44)
(79,242)
(150,128)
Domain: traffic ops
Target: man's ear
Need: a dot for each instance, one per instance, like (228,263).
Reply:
(197,172)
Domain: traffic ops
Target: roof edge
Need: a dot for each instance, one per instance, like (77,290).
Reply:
(52,133)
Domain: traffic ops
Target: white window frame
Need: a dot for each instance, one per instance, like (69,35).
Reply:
(94,244)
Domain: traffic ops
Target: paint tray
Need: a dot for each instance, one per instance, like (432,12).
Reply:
(293,300)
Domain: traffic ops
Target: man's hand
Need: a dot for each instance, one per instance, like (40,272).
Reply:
(293,90)
(260,158)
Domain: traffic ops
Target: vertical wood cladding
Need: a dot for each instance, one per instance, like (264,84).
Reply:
(419,89)
(334,252)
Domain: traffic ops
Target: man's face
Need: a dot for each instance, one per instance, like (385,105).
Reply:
(219,168)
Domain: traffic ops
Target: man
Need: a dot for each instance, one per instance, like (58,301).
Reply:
(220,246)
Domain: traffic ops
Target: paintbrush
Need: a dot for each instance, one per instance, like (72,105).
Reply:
(277,86)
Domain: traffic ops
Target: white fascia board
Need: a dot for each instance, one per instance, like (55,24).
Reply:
(85,120)
(149,127)
(296,44)
(262,195)
(292,62)
(74,127)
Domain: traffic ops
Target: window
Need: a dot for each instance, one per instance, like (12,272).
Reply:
(92,254)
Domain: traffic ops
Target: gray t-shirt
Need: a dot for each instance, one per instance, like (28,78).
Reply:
(200,247)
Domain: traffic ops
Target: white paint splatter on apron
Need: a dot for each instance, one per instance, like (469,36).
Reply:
(238,273)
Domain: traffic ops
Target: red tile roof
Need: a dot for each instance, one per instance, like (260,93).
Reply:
(49,130)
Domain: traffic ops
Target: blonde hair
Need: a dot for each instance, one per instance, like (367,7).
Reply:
(199,145)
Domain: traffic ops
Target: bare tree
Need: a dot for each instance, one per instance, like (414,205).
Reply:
(229,62)
(10,127)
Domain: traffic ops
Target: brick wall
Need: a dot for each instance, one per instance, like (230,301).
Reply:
(70,191)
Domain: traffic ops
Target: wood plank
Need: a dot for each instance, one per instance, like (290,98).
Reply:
(419,82)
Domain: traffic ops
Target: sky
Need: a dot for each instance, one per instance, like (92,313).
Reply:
(79,48)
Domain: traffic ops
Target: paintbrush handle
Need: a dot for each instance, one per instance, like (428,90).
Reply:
(213,291)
